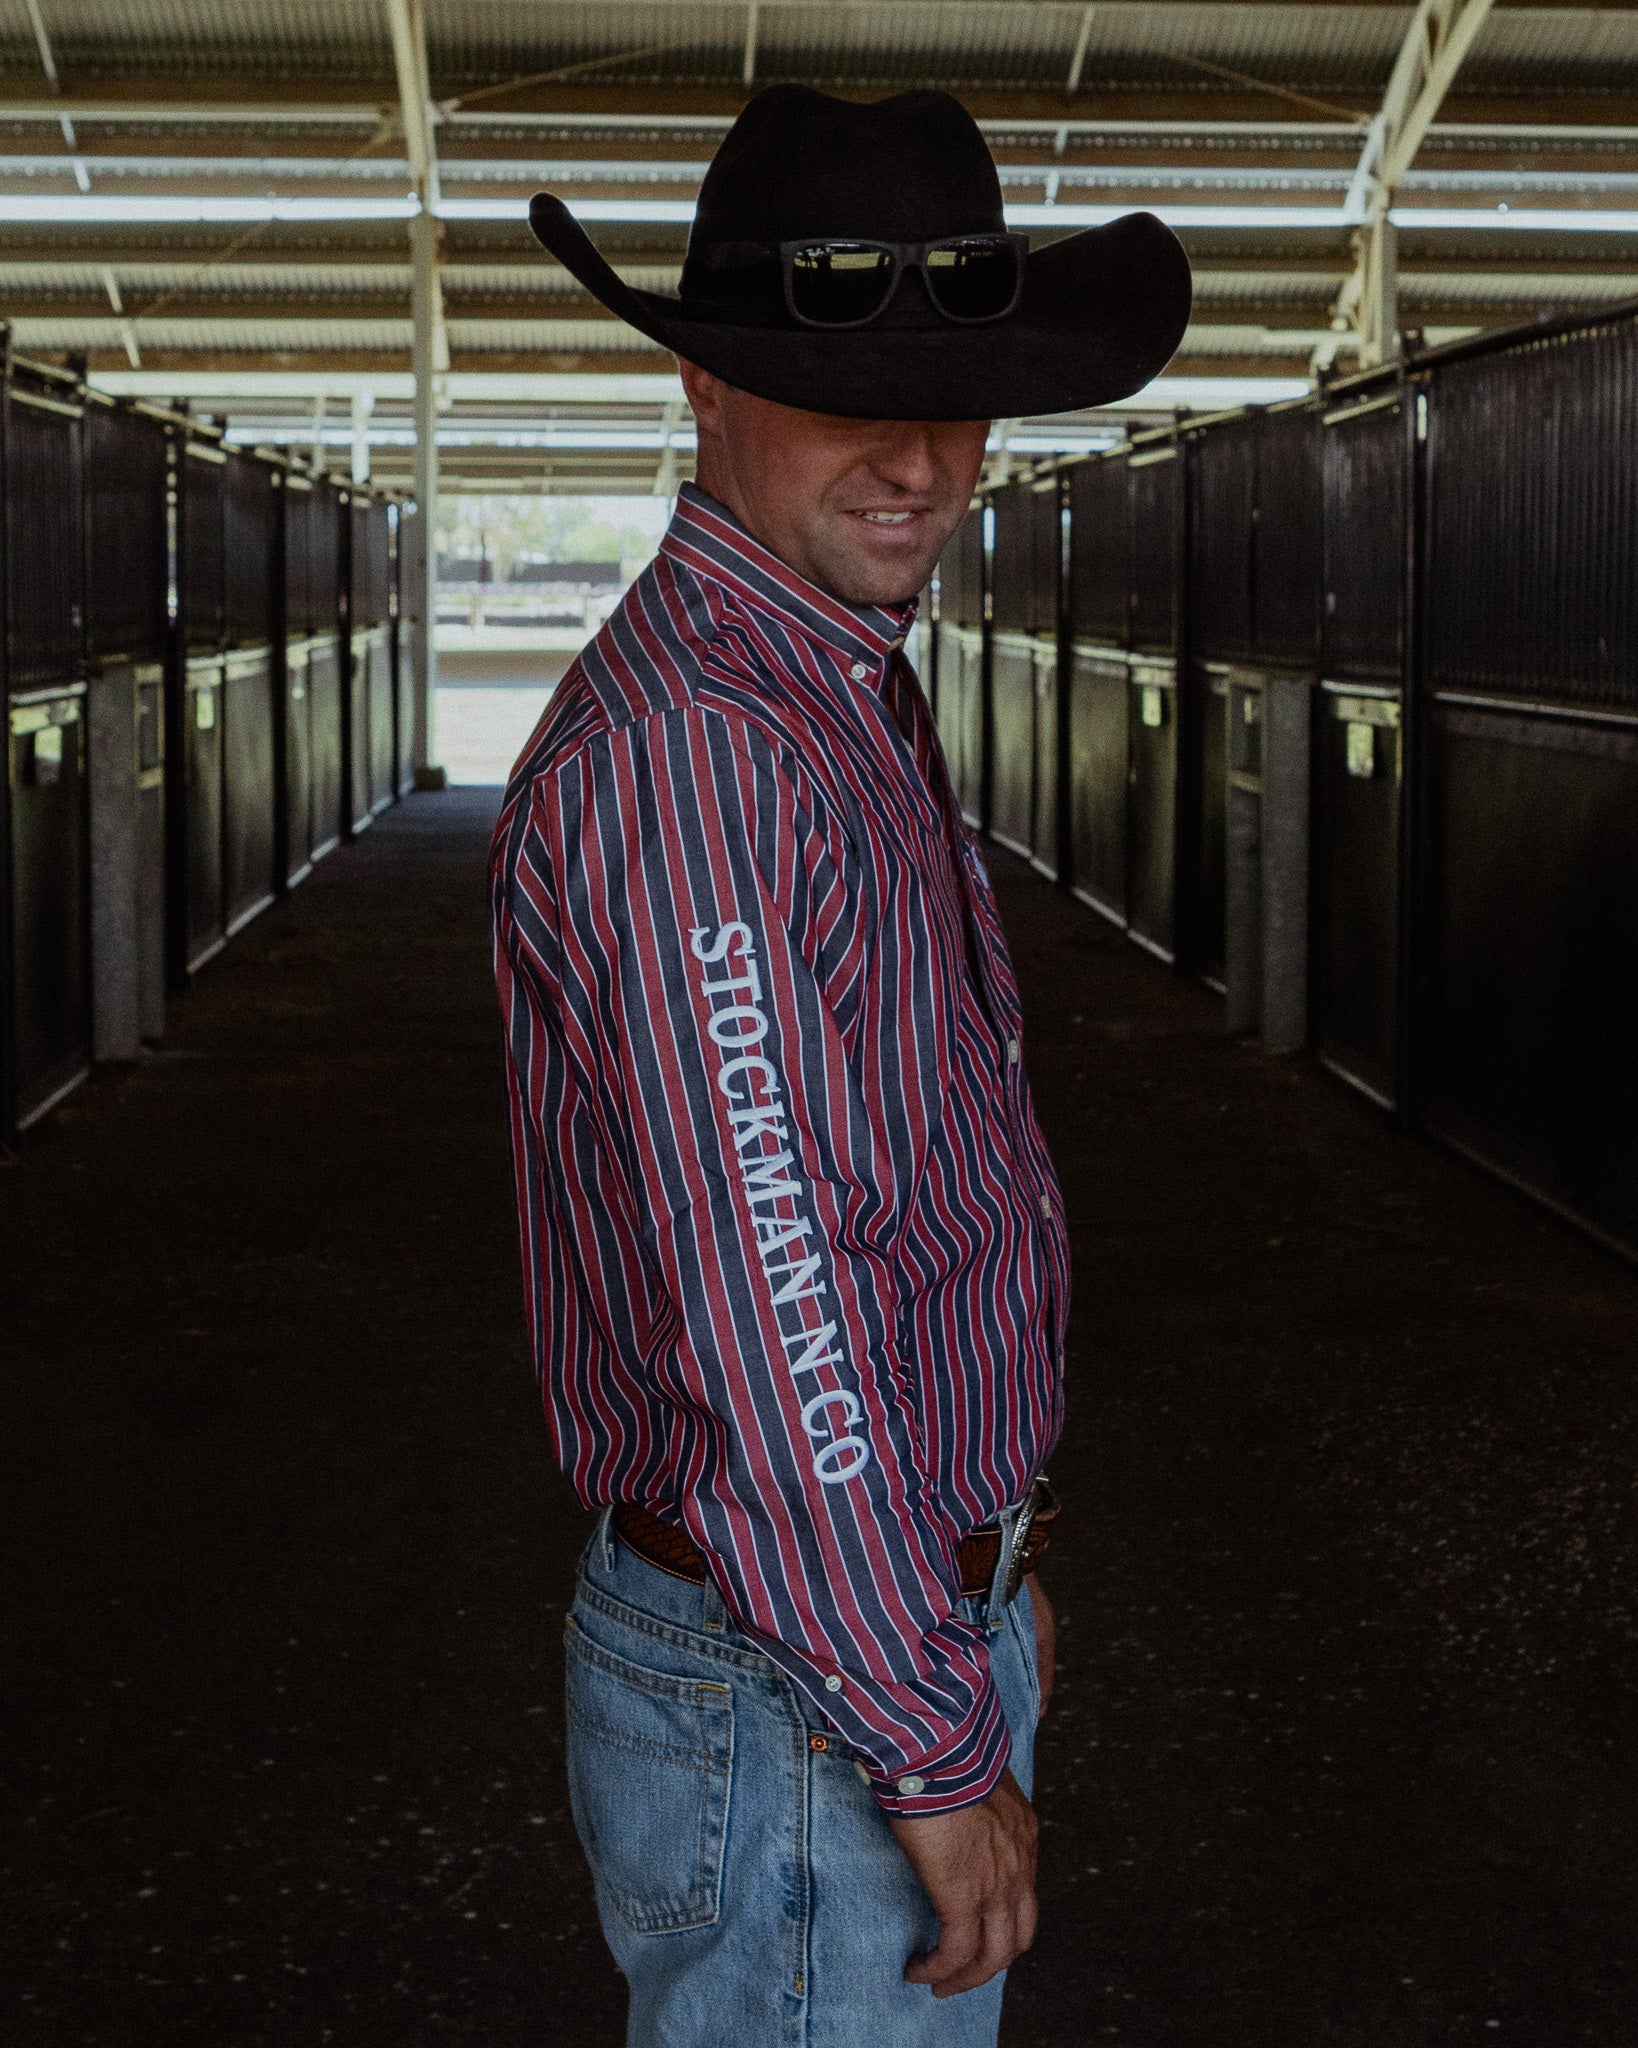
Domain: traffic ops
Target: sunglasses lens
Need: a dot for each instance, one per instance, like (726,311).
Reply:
(839,284)
(975,278)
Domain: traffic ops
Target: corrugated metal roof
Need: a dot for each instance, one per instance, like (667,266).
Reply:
(476,43)
(1564,48)
(310,335)
(524,337)
(547,279)
(292,38)
(1502,288)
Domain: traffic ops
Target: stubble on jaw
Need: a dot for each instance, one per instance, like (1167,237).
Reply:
(798,481)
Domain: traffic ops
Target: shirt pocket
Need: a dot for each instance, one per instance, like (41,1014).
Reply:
(650,1765)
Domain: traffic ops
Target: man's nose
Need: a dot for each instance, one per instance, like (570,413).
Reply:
(905,457)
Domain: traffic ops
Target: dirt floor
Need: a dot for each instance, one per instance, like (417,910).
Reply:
(1343,1755)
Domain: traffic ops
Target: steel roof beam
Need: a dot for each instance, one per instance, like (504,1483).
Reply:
(1440,35)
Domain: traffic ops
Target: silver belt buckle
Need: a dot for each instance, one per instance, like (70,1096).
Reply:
(1014,1524)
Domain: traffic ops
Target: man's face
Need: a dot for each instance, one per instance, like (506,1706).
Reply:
(860,507)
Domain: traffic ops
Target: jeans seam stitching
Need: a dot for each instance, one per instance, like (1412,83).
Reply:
(674,1632)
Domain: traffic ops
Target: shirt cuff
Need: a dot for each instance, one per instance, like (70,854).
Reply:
(959,1776)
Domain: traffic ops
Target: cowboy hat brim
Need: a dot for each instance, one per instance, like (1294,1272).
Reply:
(1102,313)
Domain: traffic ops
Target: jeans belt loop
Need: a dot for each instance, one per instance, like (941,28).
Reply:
(1014,1524)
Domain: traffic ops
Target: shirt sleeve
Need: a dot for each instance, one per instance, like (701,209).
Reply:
(689,929)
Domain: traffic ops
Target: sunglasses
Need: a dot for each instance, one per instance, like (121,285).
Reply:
(846,283)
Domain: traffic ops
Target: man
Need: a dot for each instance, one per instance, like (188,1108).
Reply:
(794,1249)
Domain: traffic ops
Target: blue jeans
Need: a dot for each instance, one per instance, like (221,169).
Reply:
(748,1885)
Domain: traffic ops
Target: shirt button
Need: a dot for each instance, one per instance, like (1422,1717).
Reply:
(1012,1052)
(896,644)
(1046,1205)
(833,1683)
(912,1785)
(858,671)
(864,1775)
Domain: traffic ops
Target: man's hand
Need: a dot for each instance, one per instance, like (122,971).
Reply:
(978,1865)
(1046,1642)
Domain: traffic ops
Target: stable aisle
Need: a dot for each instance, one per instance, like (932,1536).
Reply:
(1342,1749)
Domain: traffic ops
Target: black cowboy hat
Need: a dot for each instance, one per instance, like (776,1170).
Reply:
(1099,314)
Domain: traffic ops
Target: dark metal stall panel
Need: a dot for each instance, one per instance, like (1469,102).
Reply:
(324,667)
(1532,520)
(1100,549)
(203,785)
(371,562)
(316,514)
(1012,742)
(250,795)
(201,557)
(298,762)
(150,841)
(961,573)
(378,661)
(324,558)
(1210,681)
(949,708)
(1527,957)
(1044,842)
(1097,779)
(961,713)
(45,617)
(1362,457)
(298,547)
(1358,791)
(1532,954)
(250,512)
(1151,845)
(1156,478)
(975,768)
(50,905)
(1046,528)
(47,854)
(1288,549)
(356,731)
(1223,485)
(1012,560)
(399,539)
(404,720)
(126,566)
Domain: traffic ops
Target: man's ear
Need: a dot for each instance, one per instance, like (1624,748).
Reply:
(702,391)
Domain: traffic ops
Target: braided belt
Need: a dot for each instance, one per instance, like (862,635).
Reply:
(1025,1530)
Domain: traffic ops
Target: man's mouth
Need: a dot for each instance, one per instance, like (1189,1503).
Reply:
(889,518)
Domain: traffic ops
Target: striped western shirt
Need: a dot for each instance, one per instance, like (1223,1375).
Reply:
(794,1252)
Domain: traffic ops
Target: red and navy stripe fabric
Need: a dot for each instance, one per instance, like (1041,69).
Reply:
(794,1251)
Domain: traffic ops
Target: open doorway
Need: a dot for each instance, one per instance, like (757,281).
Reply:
(523,584)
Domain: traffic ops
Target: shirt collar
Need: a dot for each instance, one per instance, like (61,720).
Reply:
(706,537)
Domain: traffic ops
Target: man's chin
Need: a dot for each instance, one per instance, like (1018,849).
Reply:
(858,580)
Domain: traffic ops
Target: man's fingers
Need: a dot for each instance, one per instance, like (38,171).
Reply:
(959,1943)
(971,1951)
(1003,1942)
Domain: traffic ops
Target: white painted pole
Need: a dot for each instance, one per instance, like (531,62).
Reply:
(363,406)
(422,567)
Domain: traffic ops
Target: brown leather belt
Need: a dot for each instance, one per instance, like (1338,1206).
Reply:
(670,1549)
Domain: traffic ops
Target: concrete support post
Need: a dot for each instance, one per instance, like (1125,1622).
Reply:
(1243,964)
(116,1007)
(422,567)
(1287,715)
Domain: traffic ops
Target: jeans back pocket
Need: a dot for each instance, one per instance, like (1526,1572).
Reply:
(650,1762)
